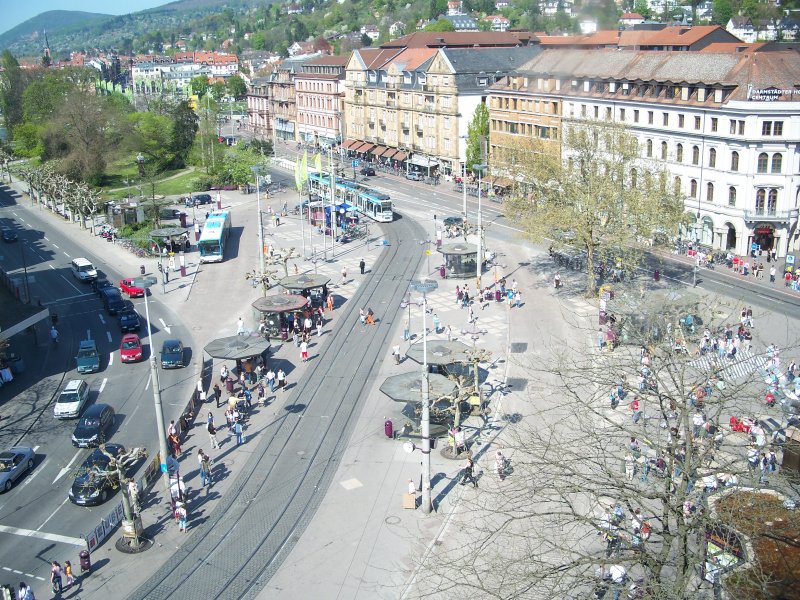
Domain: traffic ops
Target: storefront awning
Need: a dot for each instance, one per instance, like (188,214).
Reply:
(366,147)
(389,153)
(400,156)
(502,182)
(423,161)
(348,144)
(378,150)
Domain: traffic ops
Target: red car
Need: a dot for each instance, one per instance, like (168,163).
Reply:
(128,287)
(130,350)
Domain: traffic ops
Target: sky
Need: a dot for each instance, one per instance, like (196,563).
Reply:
(14,12)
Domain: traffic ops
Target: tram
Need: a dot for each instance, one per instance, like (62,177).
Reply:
(365,200)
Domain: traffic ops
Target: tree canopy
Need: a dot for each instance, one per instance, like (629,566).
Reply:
(477,130)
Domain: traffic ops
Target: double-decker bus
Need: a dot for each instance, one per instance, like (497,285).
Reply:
(368,202)
(215,237)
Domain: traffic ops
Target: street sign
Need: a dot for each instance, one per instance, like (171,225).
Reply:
(790,259)
(356,163)
(753,246)
(164,468)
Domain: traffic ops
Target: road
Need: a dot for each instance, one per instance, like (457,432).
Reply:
(37,522)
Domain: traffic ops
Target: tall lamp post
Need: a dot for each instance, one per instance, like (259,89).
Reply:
(261,264)
(480,169)
(425,286)
(145,283)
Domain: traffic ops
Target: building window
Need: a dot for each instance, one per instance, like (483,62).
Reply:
(665,118)
(712,158)
(695,155)
(731,196)
(777,163)
(663,150)
(621,114)
(733,127)
(677,184)
(710,192)
(583,110)
(635,116)
(761,196)
(681,121)
(596,112)
(772,202)
(714,123)
(697,122)
(741,127)
(693,188)
(608,113)
(649,117)
(649,146)
(763,160)
(734,161)
(679,153)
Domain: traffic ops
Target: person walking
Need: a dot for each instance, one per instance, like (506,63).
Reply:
(223,374)
(396,353)
(55,577)
(468,473)
(303,351)
(319,326)
(205,468)
(180,516)
(212,432)
(630,466)
(281,376)
(518,299)
(237,429)
(500,464)
(68,574)
(436,323)
(172,429)
(557,280)
(344,275)
(54,334)
(330,302)
(217,394)
(271,380)
(406,331)
(362,265)
(25,592)
(370,317)
(240,327)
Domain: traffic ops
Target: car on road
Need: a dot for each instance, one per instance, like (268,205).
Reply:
(71,400)
(93,482)
(130,349)
(197,200)
(128,287)
(83,269)
(14,463)
(93,427)
(9,235)
(367,172)
(98,285)
(129,321)
(88,358)
(112,300)
(415,176)
(171,354)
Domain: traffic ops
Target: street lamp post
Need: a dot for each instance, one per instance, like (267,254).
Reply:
(261,265)
(479,168)
(425,286)
(146,282)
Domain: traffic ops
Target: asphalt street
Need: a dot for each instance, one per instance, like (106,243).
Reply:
(37,522)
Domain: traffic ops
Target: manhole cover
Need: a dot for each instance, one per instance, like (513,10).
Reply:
(519,347)
(516,384)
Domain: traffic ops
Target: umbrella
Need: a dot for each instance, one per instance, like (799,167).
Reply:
(407,387)
(236,347)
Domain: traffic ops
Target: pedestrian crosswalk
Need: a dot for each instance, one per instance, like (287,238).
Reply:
(745,364)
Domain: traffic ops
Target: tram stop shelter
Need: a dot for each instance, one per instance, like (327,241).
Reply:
(170,239)
(407,388)
(460,259)
(279,311)
(311,286)
(441,355)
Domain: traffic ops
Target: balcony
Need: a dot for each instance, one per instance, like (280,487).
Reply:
(429,108)
(405,126)
(771,216)
(391,102)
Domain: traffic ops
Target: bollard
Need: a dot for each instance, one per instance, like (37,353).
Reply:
(141,269)
(183,271)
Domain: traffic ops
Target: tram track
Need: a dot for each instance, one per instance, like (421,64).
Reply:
(258,521)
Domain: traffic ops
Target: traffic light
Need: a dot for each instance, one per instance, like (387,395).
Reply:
(160,268)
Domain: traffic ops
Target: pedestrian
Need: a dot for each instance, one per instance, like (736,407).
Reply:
(412,488)
(500,463)
(449,329)
(281,376)
(362,316)
(436,323)
(25,592)
(271,380)
(518,300)
(601,339)
(772,272)
(217,394)
(303,351)
(68,574)
(362,265)
(237,429)
(459,295)
(223,374)
(470,315)
(406,331)
(180,516)
(370,317)
(133,494)
(468,473)
(396,353)
(344,275)
(175,442)
(171,429)
(205,468)
(319,326)
(557,280)
(240,327)
(212,432)
(330,302)
(630,466)
(55,577)
(248,398)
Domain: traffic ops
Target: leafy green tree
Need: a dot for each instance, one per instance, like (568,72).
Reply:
(237,164)
(28,140)
(258,41)
(641,7)
(199,85)
(237,87)
(12,86)
(151,137)
(42,97)
(182,132)
(218,90)
(477,130)
(440,25)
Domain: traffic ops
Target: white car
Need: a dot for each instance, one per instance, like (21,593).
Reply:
(71,400)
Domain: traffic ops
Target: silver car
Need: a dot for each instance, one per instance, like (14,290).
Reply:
(14,463)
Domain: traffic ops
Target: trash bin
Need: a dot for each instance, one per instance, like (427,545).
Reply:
(388,428)
(602,317)
(498,296)
(442,272)
(141,269)
(86,561)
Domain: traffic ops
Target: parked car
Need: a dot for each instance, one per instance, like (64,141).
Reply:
(130,348)
(415,176)
(72,399)
(367,171)
(14,463)
(129,321)
(93,484)
(128,287)
(197,200)
(171,354)
(93,427)
(88,358)
(9,235)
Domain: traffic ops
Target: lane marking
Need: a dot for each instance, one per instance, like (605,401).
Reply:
(53,515)
(65,298)
(108,335)
(53,537)
(63,471)
(164,325)
(147,385)
(54,246)
(52,267)
(71,284)
(67,255)
(110,359)
(88,334)
(103,385)
(102,320)
(47,238)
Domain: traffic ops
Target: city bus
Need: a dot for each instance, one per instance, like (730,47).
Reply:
(366,201)
(214,237)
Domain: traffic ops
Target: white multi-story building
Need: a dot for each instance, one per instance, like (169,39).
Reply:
(725,125)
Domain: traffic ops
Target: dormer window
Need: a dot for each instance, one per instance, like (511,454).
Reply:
(483,80)
(422,78)
(407,78)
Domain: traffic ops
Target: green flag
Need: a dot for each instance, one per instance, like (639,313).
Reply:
(318,162)
(301,171)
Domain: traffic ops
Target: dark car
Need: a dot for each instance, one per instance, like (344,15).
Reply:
(9,235)
(171,354)
(93,483)
(129,321)
(112,300)
(98,285)
(198,200)
(88,358)
(367,171)
(93,427)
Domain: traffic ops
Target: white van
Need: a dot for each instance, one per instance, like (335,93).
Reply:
(71,400)
(83,270)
